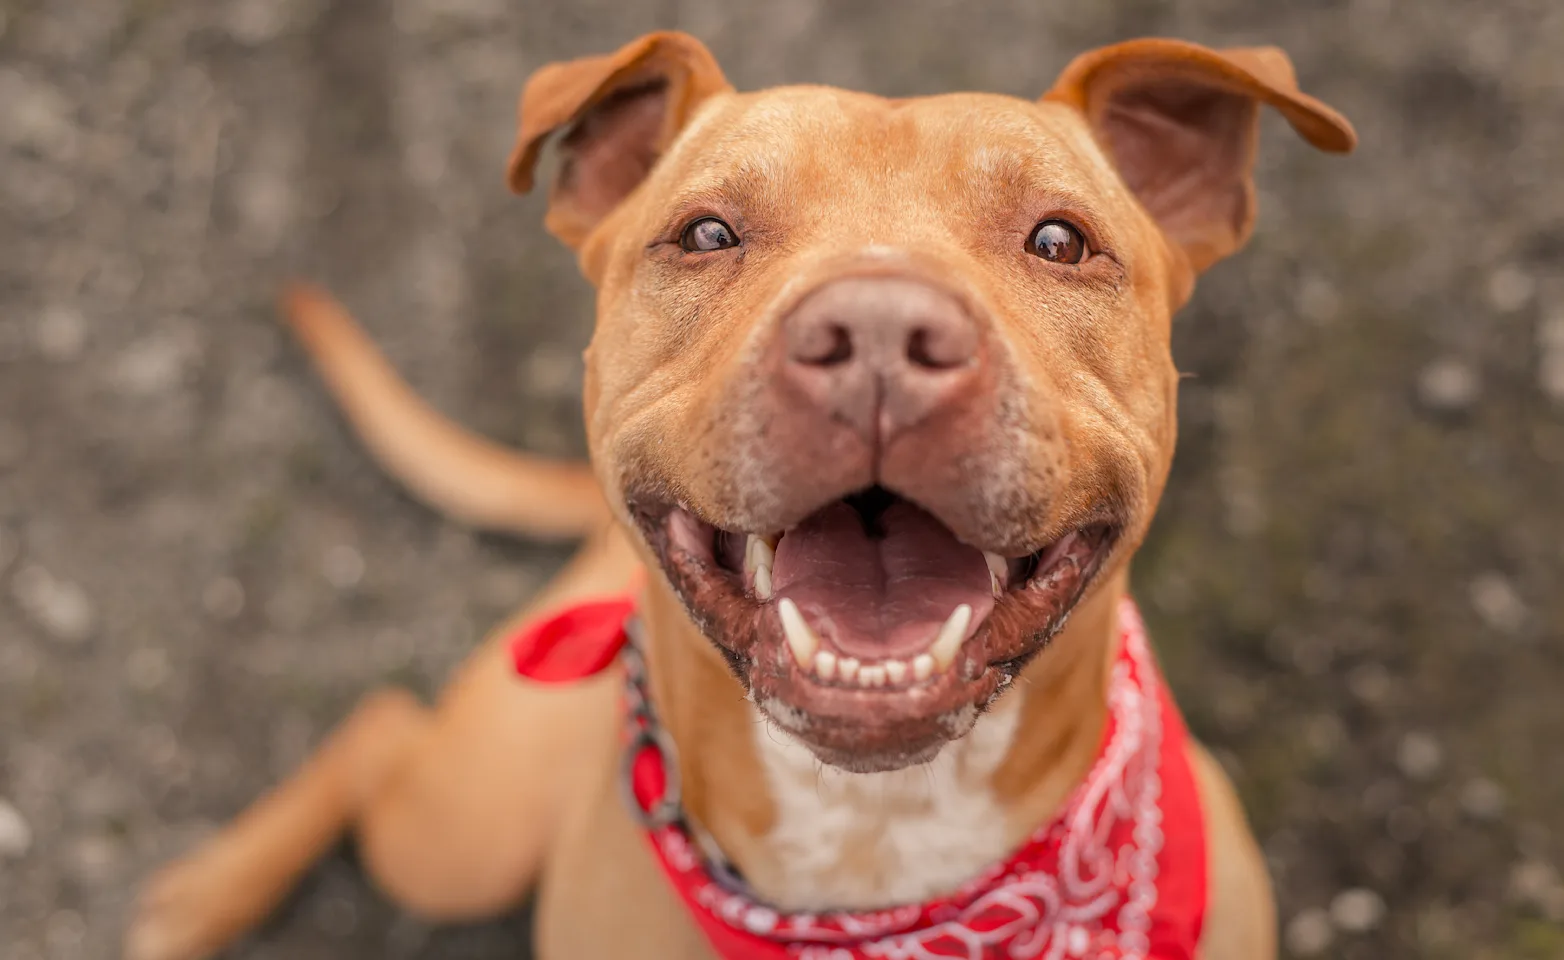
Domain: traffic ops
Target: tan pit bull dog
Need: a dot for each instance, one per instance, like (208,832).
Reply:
(880,397)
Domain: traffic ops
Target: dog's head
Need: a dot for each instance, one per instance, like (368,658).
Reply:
(883,385)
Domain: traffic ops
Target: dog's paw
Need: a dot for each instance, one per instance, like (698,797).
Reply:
(194,907)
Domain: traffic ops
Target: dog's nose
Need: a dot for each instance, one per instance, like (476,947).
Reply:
(880,353)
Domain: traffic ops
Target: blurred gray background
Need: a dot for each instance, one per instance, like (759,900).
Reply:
(1354,577)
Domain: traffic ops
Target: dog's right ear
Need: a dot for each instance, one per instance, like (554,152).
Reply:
(620,112)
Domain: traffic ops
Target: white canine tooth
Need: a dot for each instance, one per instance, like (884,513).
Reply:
(872,675)
(896,671)
(998,572)
(800,639)
(950,637)
(758,553)
(847,668)
(758,558)
(825,664)
(922,667)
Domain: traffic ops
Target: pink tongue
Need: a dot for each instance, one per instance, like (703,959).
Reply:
(881,596)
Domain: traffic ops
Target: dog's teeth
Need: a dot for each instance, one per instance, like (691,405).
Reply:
(872,675)
(758,558)
(800,639)
(825,664)
(847,668)
(922,667)
(998,573)
(896,671)
(951,636)
(758,552)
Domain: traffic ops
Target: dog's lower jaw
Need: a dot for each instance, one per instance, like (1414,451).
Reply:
(872,731)
(790,722)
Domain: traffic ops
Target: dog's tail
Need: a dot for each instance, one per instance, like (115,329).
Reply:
(458,473)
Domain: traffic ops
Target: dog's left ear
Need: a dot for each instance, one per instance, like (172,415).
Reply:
(1180,122)
(620,111)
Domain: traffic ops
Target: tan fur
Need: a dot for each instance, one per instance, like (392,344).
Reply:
(461,808)
(1240,910)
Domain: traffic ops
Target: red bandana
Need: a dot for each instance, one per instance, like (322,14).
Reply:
(1120,874)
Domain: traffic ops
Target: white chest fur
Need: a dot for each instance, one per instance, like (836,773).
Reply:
(861,841)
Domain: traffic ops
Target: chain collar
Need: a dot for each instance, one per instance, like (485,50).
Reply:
(645,734)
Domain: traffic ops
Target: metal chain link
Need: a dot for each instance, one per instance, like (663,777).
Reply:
(646,734)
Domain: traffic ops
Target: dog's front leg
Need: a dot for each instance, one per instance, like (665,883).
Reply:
(198,905)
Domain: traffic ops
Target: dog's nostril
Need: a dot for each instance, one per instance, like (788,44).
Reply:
(934,350)
(841,347)
(827,345)
(920,352)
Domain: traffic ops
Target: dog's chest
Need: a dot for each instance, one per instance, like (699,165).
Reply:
(860,841)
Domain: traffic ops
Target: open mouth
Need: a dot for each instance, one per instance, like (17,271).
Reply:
(868,630)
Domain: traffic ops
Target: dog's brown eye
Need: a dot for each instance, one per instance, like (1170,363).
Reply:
(708,233)
(1057,242)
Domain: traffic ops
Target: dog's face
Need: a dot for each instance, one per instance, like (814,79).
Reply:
(885,385)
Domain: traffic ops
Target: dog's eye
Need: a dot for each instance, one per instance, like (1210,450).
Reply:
(706,234)
(1057,242)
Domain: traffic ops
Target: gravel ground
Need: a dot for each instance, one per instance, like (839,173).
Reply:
(1354,576)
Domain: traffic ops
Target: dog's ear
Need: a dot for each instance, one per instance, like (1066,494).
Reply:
(619,111)
(1180,122)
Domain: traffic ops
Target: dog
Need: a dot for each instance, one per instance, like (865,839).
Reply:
(880,403)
